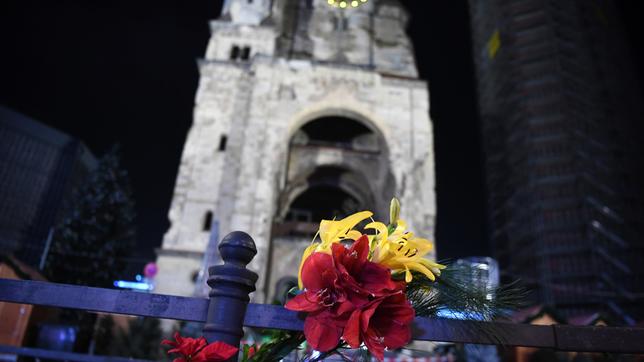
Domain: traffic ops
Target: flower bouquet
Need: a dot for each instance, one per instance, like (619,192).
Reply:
(362,289)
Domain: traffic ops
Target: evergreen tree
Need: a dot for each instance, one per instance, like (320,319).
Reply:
(89,246)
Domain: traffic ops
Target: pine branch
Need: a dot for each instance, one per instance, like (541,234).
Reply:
(281,345)
(453,292)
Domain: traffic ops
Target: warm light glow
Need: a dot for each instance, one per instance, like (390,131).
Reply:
(343,4)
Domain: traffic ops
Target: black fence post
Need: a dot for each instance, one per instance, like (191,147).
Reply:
(231,284)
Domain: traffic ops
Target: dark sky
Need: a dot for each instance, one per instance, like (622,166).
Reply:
(125,71)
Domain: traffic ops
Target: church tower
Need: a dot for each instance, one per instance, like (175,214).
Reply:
(304,111)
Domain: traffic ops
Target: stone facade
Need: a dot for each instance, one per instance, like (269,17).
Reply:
(299,105)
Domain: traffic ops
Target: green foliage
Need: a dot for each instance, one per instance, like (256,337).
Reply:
(99,231)
(282,343)
(454,291)
(246,349)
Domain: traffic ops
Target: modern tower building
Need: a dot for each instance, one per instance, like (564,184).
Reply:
(562,125)
(304,111)
(39,169)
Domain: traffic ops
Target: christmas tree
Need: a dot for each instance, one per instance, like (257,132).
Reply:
(92,241)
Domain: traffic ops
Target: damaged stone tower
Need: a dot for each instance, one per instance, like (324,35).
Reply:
(304,111)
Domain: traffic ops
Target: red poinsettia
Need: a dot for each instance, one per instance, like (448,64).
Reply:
(385,322)
(198,349)
(335,286)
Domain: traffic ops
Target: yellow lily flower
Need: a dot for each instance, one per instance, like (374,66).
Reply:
(332,231)
(401,251)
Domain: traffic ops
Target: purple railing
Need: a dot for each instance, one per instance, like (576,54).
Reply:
(227,310)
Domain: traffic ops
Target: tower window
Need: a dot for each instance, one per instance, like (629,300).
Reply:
(207,221)
(234,53)
(340,23)
(245,53)
(222,142)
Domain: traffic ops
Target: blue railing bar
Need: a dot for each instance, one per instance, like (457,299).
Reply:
(426,329)
(561,337)
(103,300)
(64,356)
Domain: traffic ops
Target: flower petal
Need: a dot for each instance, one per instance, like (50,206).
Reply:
(321,332)
(381,228)
(218,351)
(307,252)
(333,231)
(303,302)
(353,234)
(352,330)
(376,279)
(417,266)
(169,343)
(353,259)
(315,266)
(375,347)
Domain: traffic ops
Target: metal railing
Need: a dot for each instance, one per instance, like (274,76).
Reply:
(227,310)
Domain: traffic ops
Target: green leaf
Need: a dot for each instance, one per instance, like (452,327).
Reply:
(283,343)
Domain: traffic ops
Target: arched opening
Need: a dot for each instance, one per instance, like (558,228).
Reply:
(336,166)
(337,131)
(322,202)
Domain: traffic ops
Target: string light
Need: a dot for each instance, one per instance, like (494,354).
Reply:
(344,4)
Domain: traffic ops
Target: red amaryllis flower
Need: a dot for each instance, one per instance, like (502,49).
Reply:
(362,279)
(384,322)
(324,299)
(336,285)
(198,349)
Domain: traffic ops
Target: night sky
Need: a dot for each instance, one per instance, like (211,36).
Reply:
(124,71)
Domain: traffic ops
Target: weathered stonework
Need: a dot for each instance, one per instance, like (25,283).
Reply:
(256,108)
